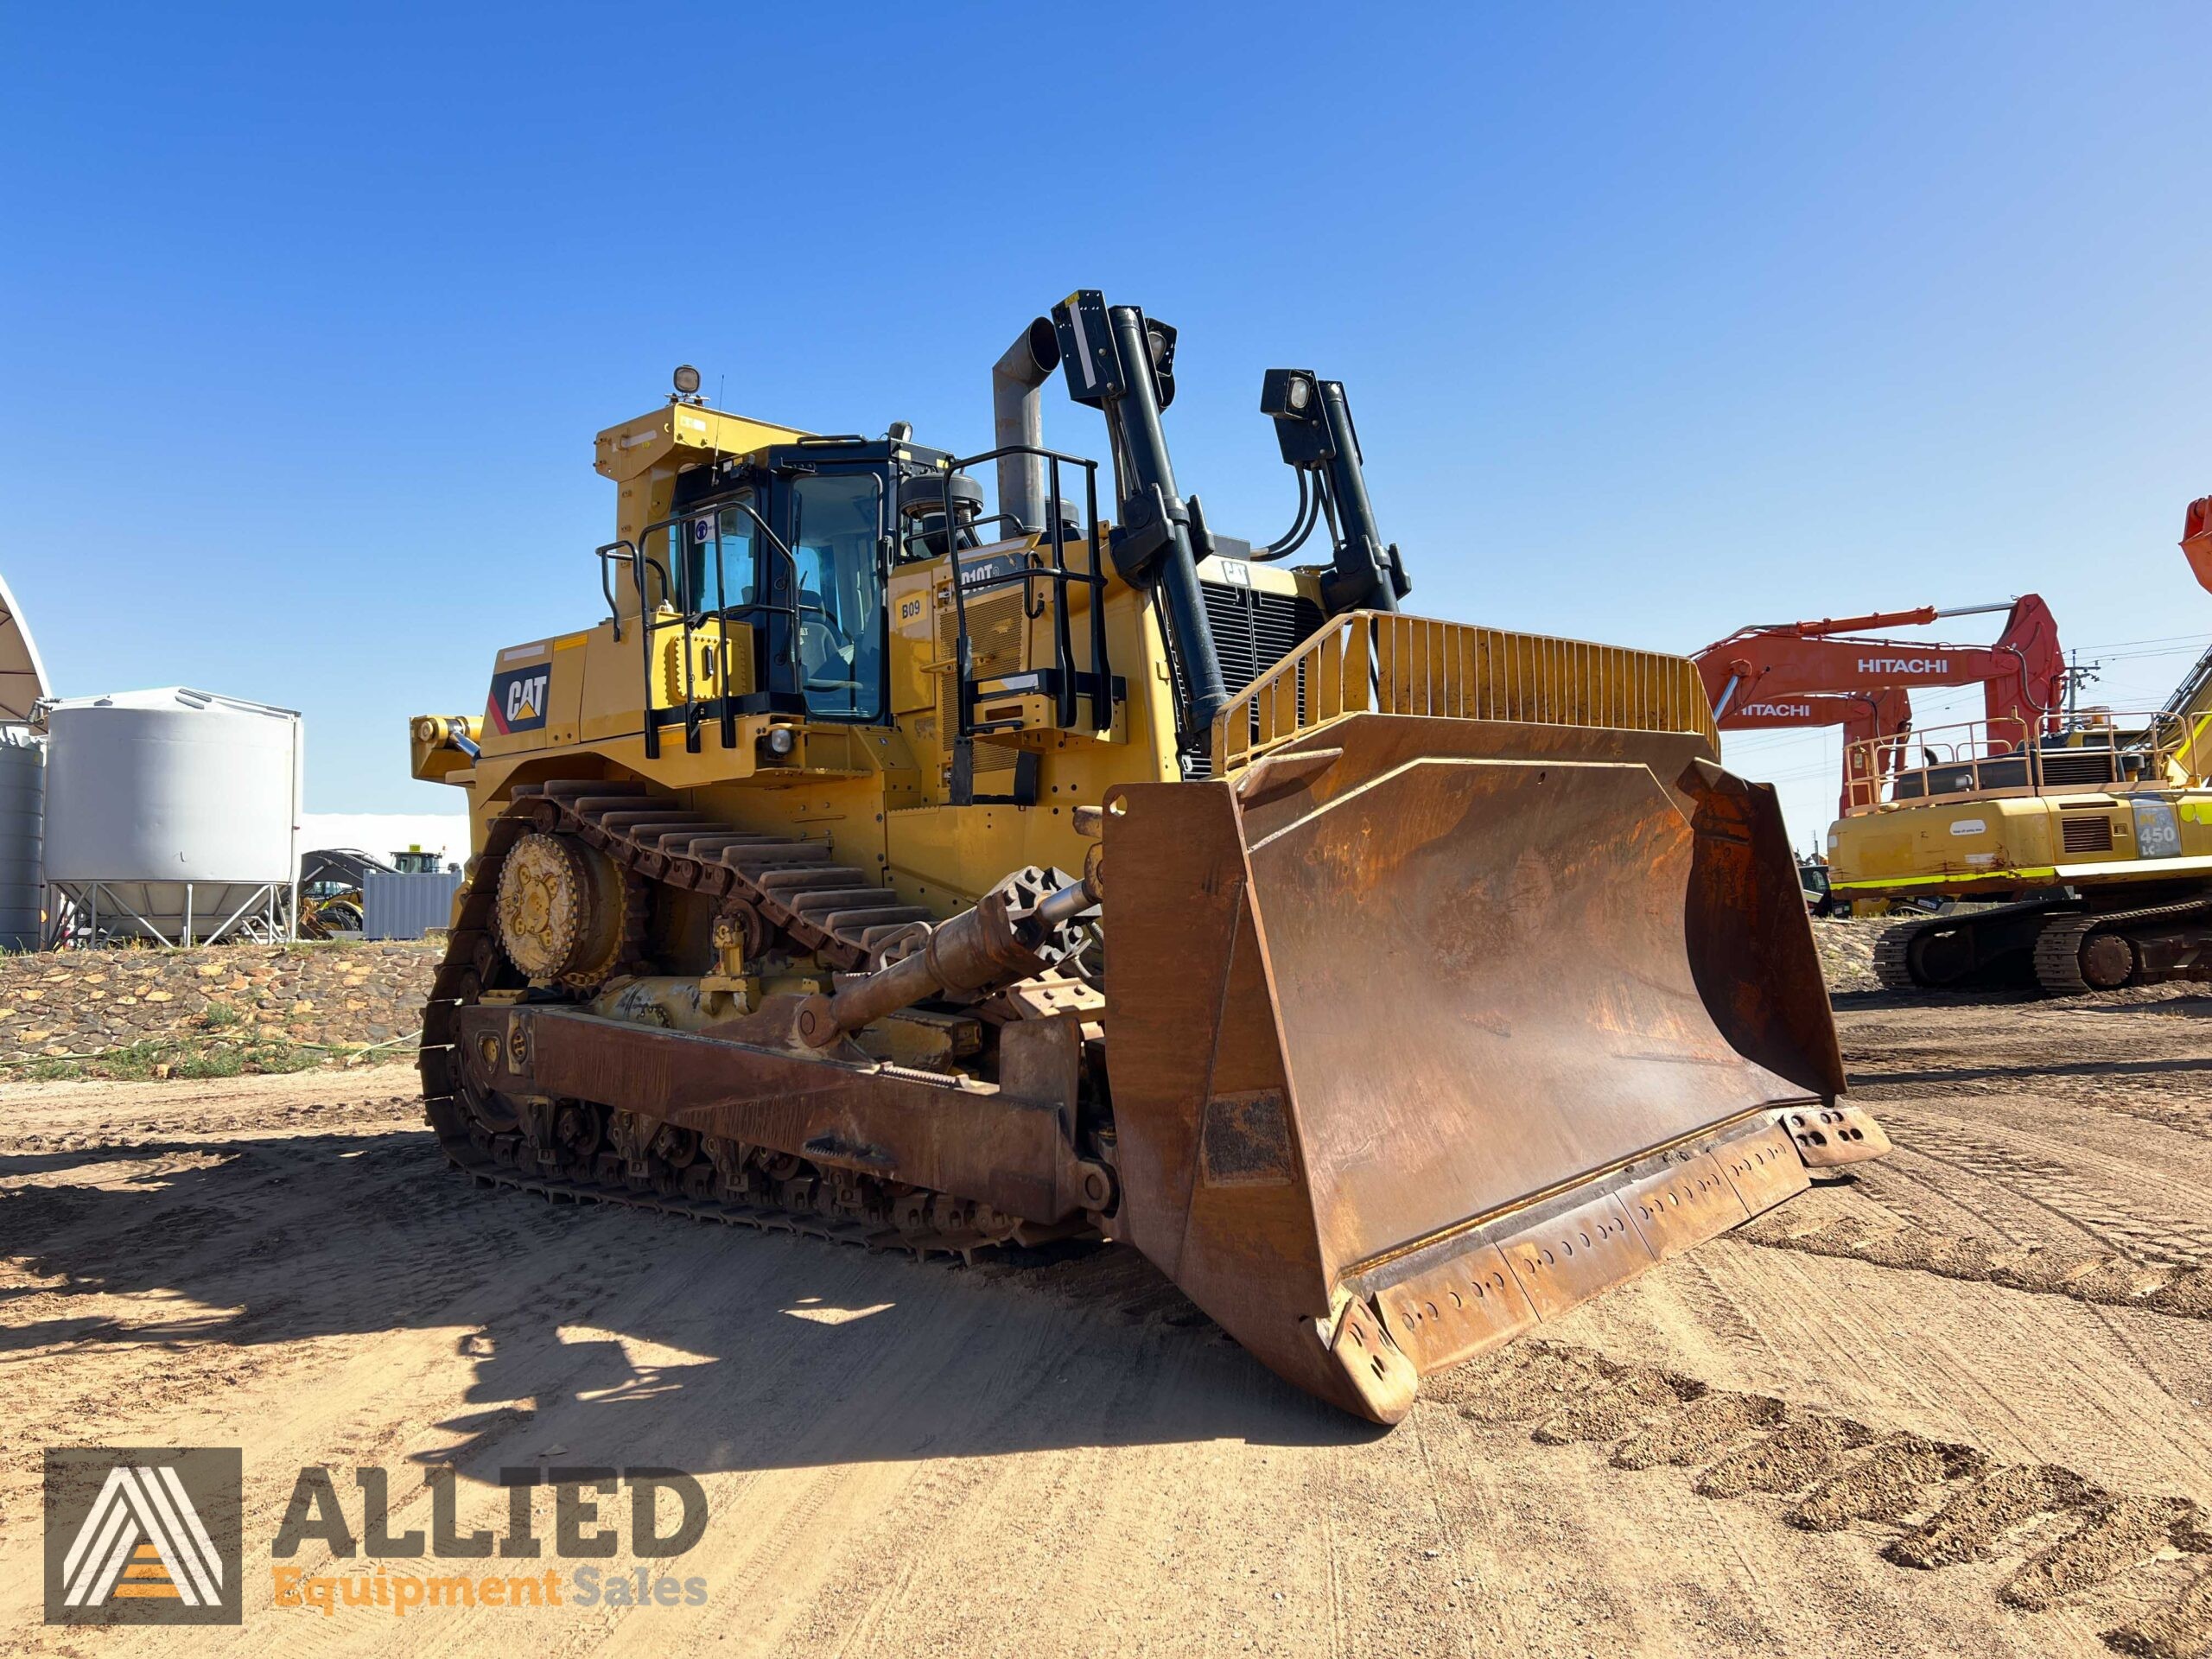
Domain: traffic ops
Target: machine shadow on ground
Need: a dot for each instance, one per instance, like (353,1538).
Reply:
(623,1336)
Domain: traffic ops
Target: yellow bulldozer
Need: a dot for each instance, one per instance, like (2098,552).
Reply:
(919,877)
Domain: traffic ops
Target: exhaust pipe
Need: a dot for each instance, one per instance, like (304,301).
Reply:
(1017,416)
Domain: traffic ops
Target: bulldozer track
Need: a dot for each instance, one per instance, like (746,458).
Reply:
(2058,946)
(2103,1278)
(783,883)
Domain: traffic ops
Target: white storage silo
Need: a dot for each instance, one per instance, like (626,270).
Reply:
(22,798)
(23,688)
(171,815)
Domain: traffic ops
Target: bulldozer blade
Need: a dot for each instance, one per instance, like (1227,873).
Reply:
(1423,1031)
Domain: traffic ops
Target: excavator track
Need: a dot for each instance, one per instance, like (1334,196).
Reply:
(785,885)
(2060,946)
(1893,951)
(1893,958)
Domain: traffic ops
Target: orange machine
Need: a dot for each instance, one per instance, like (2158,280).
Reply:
(1784,674)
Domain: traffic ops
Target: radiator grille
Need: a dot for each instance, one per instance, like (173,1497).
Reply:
(2078,832)
(2076,768)
(1252,632)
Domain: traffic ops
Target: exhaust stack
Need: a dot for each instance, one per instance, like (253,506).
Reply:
(1017,417)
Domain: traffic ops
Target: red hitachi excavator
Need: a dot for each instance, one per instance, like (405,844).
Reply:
(1827,673)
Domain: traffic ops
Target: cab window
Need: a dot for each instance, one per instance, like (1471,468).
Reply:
(703,586)
(835,530)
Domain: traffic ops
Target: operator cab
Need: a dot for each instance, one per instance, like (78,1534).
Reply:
(796,545)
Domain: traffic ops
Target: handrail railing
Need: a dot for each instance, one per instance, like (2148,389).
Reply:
(2103,751)
(1386,663)
(1058,576)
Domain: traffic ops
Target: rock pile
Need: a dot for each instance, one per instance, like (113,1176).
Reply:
(64,1003)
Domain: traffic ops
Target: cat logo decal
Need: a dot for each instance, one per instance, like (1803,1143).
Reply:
(518,699)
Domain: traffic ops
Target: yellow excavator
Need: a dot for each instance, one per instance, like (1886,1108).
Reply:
(908,875)
(2082,841)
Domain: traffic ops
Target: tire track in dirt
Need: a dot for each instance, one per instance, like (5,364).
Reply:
(2098,1277)
(1960,1219)
(1935,1504)
(2135,1209)
(2189,1114)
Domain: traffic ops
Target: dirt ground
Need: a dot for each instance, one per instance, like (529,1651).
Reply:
(1957,1405)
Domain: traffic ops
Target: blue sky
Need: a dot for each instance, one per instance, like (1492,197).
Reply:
(1656,321)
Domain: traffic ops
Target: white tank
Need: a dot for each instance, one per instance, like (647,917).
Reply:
(176,804)
(22,795)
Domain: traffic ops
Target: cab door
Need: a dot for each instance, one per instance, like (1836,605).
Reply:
(702,650)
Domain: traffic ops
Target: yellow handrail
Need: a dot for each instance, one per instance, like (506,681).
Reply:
(1381,662)
(2102,750)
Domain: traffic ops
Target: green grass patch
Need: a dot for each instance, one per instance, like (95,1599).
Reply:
(134,1062)
(215,1057)
(215,1063)
(281,1057)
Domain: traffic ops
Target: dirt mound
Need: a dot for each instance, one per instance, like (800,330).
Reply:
(209,1011)
(1886,1484)
(1846,950)
(2120,1533)
(1972,1526)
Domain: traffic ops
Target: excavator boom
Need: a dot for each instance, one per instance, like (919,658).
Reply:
(2023,670)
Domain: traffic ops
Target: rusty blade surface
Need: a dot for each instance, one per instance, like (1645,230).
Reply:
(1484,989)
(1515,1008)
(1474,1290)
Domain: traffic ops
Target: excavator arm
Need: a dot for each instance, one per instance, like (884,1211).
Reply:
(1829,673)
(2022,672)
(1885,714)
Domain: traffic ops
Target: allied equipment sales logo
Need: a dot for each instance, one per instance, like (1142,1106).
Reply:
(152,1535)
(143,1535)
